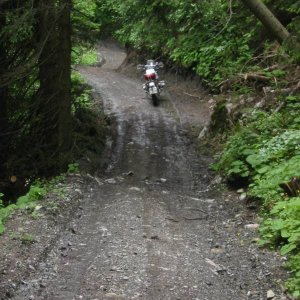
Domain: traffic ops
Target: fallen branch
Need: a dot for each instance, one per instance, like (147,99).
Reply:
(192,95)
(279,107)
(195,219)
(255,76)
(171,219)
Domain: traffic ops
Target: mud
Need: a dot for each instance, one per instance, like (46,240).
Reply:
(156,225)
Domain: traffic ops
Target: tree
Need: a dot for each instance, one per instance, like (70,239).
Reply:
(3,90)
(261,11)
(54,96)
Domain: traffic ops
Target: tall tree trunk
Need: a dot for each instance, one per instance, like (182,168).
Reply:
(54,95)
(261,11)
(3,93)
(64,61)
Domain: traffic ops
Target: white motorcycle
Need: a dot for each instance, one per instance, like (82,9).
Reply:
(152,86)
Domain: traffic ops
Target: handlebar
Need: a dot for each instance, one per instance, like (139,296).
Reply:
(157,66)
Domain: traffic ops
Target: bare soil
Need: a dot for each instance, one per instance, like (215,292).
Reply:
(156,225)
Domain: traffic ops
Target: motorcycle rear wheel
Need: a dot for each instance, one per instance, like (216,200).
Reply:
(154,99)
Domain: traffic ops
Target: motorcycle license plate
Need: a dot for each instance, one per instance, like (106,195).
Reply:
(153,90)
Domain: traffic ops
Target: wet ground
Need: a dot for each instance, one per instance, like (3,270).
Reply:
(155,226)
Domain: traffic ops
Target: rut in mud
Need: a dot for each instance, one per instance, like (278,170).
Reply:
(153,227)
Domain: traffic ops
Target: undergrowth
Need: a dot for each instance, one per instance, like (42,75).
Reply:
(264,153)
(38,190)
(82,55)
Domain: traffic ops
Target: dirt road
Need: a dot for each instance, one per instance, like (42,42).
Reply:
(154,227)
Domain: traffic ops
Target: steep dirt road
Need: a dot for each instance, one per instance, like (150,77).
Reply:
(153,227)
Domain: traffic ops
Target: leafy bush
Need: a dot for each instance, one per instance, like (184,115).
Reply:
(241,156)
(81,93)
(284,230)
(267,153)
(82,55)
(293,283)
(266,183)
(216,41)
(4,213)
(73,168)
(37,192)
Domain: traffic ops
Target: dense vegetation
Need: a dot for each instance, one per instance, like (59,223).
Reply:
(264,155)
(215,41)
(42,102)
(44,107)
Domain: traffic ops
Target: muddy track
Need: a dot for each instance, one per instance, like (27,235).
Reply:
(154,227)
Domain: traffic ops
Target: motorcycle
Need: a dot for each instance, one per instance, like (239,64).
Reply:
(152,86)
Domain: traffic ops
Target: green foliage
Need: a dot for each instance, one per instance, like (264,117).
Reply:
(293,284)
(73,168)
(82,55)
(266,151)
(36,192)
(4,214)
(28,202)
(81,93)
(283,229)
(27,239)
(242,148)
(84,20)
(196,35)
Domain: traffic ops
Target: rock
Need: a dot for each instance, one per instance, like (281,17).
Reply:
(114,296)
(38,207)
(240,191)
(111,181)
(216,180)
(211,101)
(252,226)
(73,230)
(163,180)
(98,181)
(260,104)
(270,294)
(134,188)
(203,133)
(78,191)
(243,197)
(252,206)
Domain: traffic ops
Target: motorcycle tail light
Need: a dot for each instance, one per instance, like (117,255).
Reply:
(150,76)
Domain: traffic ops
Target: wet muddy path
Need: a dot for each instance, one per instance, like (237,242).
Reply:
(153,227)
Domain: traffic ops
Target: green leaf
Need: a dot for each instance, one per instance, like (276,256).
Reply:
(254,160)
(2,228)
(287,248)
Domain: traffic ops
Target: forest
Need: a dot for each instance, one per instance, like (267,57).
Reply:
(46,120)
